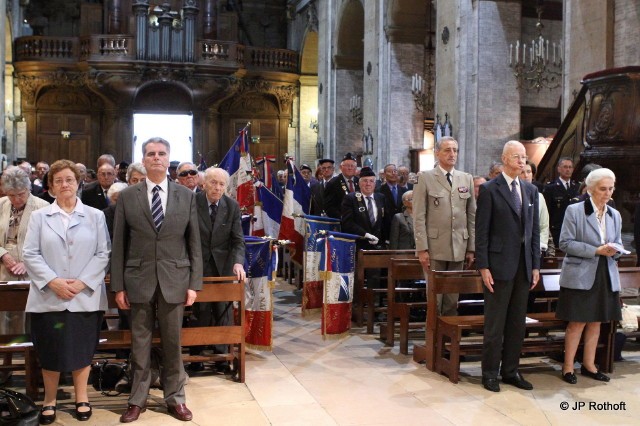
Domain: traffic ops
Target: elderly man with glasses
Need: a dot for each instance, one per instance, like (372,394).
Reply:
(96,195)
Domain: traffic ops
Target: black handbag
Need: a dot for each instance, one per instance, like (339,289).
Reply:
(107,377)
(17,409)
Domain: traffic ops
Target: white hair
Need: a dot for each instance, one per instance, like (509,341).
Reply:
(115,188)
(597,175)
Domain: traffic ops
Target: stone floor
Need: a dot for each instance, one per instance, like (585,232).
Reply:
(358,381)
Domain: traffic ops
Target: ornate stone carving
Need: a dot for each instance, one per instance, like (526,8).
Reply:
(30,85)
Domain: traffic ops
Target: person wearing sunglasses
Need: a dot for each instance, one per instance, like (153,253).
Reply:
(188,176)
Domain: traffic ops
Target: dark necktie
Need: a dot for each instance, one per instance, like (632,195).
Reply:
(449,179)
(351,189)
(213,210)
(516,197)
(394,192)
(156,208)
(372,217)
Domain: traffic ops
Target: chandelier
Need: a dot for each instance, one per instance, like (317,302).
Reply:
(539,64)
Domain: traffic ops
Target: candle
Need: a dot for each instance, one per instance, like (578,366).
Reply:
(517,50)
(413,83)
(524,54)
(510,54)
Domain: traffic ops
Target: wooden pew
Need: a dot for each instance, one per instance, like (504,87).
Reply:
(399,270)
(364,294)
(13,298)
(214,289)
(444,334)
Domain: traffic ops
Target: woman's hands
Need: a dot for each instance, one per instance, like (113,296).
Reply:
(66,288)
(605,250)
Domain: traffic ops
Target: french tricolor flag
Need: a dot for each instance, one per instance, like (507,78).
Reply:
(237,162)
(268,178)
(267,212)
(297,199)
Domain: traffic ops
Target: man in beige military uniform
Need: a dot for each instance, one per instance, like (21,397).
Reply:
(444,211)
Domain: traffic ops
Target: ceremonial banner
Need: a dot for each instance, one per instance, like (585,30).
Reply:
(267,212)
(237,162)
(260,264)
(337,263)
(267,177)
(297,200)
(312,281)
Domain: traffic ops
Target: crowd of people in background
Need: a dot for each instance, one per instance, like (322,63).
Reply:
(501,224)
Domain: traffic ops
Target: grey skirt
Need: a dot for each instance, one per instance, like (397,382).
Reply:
(598,304)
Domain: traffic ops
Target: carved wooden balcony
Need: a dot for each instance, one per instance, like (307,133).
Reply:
(224,56)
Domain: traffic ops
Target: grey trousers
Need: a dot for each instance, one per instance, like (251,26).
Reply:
(447,303)
(143,319)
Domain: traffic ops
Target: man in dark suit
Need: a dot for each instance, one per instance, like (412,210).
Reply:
(363,213)
(345,183)
(222,244)
(156,268)
(403,178)
(317,187)
(508,258)
(392,194)
(96,195)
(558,195)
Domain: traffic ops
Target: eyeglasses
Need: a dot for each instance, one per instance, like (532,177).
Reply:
(188,172)
(68,181)
(519,157)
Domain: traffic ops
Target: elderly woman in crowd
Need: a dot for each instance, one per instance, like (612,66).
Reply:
(401,234)
(136,173)
(589,282)
(66,252)
(15,210)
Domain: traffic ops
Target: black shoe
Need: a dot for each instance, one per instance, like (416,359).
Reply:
(596,376)
(491,385)
(195,367)
(518,381)
(47,419)
(83,415)
(570,378)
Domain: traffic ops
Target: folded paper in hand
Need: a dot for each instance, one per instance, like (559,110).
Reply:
(619,248)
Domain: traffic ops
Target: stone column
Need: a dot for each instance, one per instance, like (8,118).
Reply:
(474,83)
(626,38)
(588,29)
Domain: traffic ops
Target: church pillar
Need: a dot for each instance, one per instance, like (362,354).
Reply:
(588,28)
(474,82)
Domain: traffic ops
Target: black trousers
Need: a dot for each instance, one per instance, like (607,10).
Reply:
(505,311)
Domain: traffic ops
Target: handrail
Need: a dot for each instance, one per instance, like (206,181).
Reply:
(121,47)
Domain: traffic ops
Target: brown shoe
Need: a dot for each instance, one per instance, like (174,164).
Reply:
(180,412)
(132,414)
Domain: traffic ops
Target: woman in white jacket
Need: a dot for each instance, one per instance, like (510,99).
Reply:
(66,253)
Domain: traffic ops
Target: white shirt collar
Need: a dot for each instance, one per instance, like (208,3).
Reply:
(163,186)
(79,208)
(444,172)
(509,179)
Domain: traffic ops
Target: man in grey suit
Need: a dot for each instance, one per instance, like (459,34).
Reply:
(444,218)
(508,258)
(222,244)
(156,268)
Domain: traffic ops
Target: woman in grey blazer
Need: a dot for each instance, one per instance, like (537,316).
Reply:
(66,252)
(589,281)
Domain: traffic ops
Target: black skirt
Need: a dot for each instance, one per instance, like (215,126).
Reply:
(598,304)
(65,341)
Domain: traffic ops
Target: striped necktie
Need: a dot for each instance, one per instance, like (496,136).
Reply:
(156,208)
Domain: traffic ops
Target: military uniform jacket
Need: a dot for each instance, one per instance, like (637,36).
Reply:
(334,192)
(444,215)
